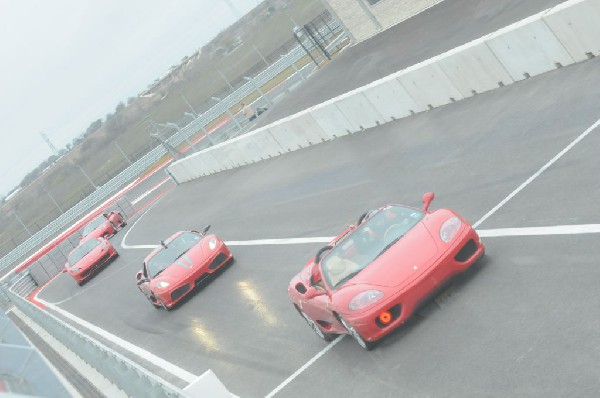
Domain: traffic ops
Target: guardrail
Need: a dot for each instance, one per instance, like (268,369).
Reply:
(134,380)
(134,170)
(554,38)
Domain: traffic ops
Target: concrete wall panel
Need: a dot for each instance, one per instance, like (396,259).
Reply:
(528,48)
(359,112)
(258,145)
(577,25)
(232,155)
(473,68)
(428,85)
(289,138)
(391,99)
(306,125)
(333,123)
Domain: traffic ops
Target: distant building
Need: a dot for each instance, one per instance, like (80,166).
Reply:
(364,18)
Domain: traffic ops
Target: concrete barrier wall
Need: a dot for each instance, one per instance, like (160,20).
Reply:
(554,38)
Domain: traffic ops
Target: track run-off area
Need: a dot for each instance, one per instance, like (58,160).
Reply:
(519,162)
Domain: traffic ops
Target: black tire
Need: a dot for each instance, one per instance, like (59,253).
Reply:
(367,345)
(315,327)
(155,304)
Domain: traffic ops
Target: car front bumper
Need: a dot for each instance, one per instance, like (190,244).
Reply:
(468,248)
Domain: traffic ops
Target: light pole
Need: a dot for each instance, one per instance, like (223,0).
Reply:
(223,76)
(175,154)
(87,176)
(21,222)
(260,55)
(190,106)
(296,70)
(122,152)
(53,200)
(297,35)
(176,127)
(228,112)
(257,88)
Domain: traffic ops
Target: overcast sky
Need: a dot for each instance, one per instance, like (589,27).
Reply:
(66,63)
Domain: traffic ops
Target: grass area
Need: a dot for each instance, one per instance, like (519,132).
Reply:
(267,32)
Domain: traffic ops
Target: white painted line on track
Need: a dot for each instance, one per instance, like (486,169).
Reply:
(304,367)
(489,233)
(538,173)
(147,355)
(126,246)
(148,192)
(284,241)
(537,231)
(484,233)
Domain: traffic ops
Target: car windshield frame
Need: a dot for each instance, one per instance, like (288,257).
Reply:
(92,225)
(367,242)
(180,245)
(82,250)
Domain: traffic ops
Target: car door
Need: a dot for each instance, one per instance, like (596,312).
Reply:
(319,306)
(144,283)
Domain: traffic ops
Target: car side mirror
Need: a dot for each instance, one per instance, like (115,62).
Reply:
(205,230)
(312,293)
(427,199)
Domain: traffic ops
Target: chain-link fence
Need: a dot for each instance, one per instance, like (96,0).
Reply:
(329,31)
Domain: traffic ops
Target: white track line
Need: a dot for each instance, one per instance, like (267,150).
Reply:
(482,219)
(537,173)
(537,231)
(304,367)
(484,233)
(284,241)
(147,355)
(148,192)
(124,245)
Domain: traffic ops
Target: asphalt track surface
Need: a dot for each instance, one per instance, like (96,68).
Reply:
(443,27)
(522,322)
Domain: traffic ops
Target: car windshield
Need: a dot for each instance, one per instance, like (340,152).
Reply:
(175,249)
(95,223)
(371,239)
(82,250)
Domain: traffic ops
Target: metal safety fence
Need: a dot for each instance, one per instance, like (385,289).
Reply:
(130,377)
(332,33)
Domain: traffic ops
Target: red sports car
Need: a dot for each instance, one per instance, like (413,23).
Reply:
(369,280)
(89,256)
(180,263)
(105,225)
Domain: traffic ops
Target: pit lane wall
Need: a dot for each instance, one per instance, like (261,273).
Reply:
(554,38)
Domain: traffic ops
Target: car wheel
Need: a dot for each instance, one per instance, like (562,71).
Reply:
(367,345)
(313,325)
(155,303)
(163,305)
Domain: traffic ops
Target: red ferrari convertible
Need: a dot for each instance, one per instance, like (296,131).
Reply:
(89,256)
(105,225)
(179,264)
(370,279)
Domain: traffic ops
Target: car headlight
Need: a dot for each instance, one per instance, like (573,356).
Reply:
(450,228)
(212,243)
(364,299)
(162,284)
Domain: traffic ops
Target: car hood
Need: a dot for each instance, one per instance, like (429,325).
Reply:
(405,261)
(194,257)
(90,259)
